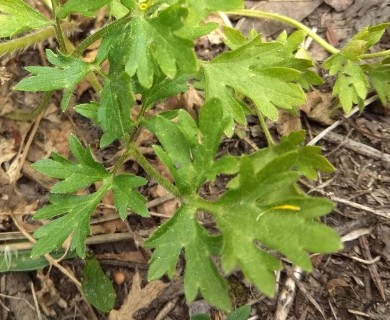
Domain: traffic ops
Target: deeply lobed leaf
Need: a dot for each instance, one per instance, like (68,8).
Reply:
(77,211)
(266,73)
(183,232)
(124,196)
(66,74)
(265,212)
(145,43)
(75,176)
(352,84)
(188,149)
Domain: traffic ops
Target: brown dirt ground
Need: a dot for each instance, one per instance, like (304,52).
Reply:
(351,284)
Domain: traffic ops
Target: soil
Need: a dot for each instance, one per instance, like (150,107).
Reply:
(351,284)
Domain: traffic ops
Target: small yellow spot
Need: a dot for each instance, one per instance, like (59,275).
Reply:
(287,207)
(144,6)
(282,207)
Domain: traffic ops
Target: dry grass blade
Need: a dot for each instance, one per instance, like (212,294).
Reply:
(372,267)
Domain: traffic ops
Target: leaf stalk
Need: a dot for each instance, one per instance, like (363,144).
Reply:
(286,20)
(151,171)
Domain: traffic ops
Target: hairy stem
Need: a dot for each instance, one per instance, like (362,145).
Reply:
(286,20)
(379,54)
(57,26)
(31,39)
(151,171)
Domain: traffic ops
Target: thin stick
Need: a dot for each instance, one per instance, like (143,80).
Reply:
(39,314)
(349,203)
(358,147)
(287,295)
(338,122)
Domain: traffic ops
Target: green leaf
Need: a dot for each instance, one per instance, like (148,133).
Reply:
(308,161)
(146,42)
(353,49)
(371,34)
(233,38)
(265,212)
(66,74)
(126,198)
(200,317)
(379,76)
(129,4)
(241,313)
(351,84)
(162,89)
(188,151)
(362,41)
(113,113)
(85,7)
(75,176)
(260,71)
(198,10)
(205,7)
(88,110)
(76,212)
(17,17)
(20,260)
(97,287)
(183,231)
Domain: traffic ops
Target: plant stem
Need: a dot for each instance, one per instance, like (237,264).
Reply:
(375,54)
(60,37)
(99,34)
(31,39)
(263,125)
(287,20)
(151,171)
(205,205)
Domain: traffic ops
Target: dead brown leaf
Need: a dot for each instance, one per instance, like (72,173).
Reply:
(190,101)
(335,287)
(318,107)
(137,298)
(288,123)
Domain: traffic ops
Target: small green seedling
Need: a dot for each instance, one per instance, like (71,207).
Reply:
(150,49)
